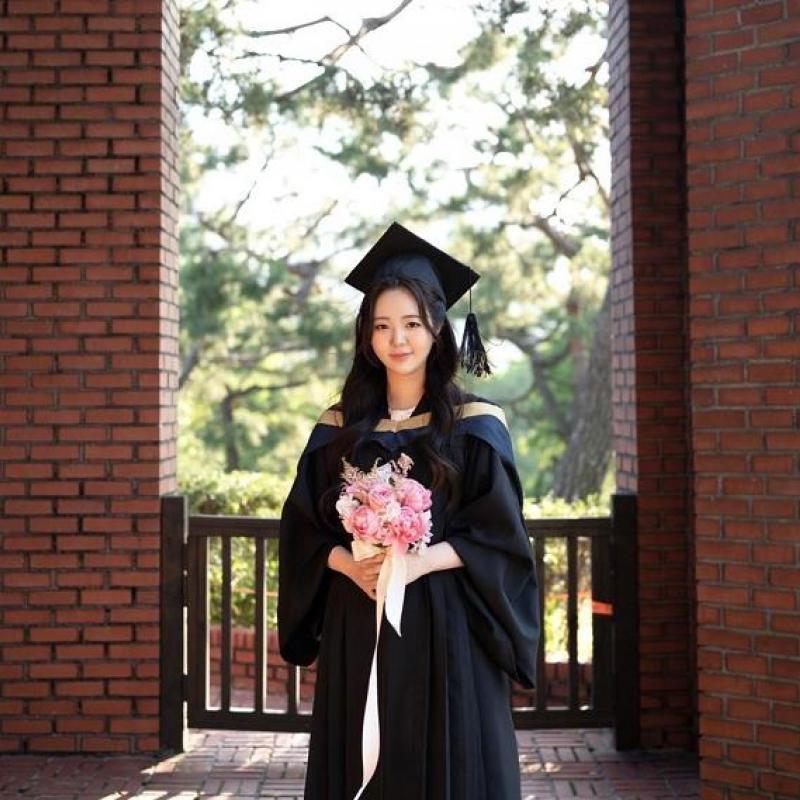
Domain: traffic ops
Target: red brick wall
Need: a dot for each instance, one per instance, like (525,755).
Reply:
(649,349)
(243,675)
(743,123)
(88,366)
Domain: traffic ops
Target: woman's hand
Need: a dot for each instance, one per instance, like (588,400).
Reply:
(364,573)
(416,566)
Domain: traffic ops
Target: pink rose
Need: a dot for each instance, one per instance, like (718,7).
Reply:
(379,496)
(409,526)
(415,495)
(364,523)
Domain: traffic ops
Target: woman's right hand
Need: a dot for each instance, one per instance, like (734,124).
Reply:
(364,573)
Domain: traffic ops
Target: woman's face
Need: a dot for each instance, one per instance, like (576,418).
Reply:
(397,328)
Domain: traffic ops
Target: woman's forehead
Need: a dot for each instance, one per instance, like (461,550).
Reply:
(396,302)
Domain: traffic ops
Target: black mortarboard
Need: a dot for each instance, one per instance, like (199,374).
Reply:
(401,253)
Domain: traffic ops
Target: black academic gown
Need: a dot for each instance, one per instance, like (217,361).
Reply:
(444,685)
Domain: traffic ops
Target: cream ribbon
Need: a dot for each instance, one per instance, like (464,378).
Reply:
(391,589)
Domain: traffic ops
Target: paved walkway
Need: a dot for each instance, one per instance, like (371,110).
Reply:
(270,766)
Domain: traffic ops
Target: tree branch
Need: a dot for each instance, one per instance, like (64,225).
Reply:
(256,34)
(368,24)
(585,170)
(192,360)
(232,395)
(528,343)
(594,68)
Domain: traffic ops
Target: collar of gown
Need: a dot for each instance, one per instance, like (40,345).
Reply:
(422,407)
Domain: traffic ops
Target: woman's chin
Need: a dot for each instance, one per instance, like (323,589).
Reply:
(402,368)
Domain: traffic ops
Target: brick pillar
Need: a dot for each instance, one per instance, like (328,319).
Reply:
(88,366)
(743,118)
(649,350)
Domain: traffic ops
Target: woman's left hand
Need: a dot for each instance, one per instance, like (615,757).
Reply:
(416,566)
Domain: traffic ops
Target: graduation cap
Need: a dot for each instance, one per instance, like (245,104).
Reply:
(401,253)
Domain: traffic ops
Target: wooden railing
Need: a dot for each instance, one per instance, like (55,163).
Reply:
(600,560)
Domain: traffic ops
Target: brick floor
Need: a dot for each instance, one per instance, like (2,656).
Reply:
(270,766)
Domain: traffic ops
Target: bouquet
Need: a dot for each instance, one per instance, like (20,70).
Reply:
(383,509)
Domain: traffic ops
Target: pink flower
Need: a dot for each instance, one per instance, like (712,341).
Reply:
(391,510)
(364,523)
(405,462)
(383,506)
(359,490)
(409,526)
(379,496)
(415,495)
(346,505)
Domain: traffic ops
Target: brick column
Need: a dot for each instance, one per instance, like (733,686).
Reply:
(88,366)
(649,349)
(743,118)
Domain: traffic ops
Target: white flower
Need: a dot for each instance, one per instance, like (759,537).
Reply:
(384,471)
(391,510)
(345,504)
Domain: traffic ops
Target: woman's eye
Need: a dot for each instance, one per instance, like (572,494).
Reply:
(381,326)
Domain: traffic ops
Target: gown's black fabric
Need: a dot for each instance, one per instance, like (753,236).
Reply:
(444,685)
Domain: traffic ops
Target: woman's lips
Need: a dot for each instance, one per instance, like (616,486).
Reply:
(399,355)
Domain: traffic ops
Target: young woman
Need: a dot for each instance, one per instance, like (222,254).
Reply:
(470,619)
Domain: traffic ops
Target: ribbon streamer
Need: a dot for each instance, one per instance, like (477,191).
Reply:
(391,591)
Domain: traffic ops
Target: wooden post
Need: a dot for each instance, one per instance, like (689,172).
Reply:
(173,538)
(626,622)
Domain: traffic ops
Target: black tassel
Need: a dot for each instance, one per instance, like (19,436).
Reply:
(472,353)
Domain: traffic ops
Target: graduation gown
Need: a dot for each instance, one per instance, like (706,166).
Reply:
(446,730)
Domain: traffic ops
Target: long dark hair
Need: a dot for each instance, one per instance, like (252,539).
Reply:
(363,394)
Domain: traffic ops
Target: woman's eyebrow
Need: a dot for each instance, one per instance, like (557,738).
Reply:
(404,316)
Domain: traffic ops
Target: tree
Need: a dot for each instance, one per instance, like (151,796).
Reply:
(261,315)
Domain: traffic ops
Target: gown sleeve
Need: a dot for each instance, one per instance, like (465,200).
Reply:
(305,542)
(498,581)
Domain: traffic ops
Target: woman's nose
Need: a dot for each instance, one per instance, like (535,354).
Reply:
(398,336)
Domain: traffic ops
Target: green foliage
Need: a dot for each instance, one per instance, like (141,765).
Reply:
(243,582)
(498,144)
(238,494)
(554,613)
(550,507)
